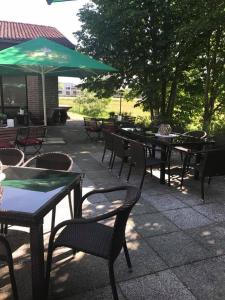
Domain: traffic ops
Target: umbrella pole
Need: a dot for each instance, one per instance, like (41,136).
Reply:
(44,96)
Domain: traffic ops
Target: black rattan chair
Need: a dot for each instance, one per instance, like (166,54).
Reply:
(108,140)
(141,158)
(89,236)
(187,153)
(10,157)
(92,128)
(212,164)
(120,149)
(31,137)
(6,256)
(54,161)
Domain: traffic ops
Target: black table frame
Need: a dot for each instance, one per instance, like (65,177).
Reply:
(35,223)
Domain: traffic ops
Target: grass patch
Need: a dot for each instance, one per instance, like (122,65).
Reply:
(114,105)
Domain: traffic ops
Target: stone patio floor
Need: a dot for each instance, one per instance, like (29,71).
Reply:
(176,243)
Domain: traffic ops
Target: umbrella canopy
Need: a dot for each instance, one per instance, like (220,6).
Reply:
(53,1)
(45,57)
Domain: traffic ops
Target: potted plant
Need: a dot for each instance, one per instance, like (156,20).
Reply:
(3,117)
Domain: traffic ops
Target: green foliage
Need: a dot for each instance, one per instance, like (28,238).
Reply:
(170,52)
(87,103)
(3,116)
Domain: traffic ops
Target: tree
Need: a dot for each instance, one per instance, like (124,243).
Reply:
(153,43)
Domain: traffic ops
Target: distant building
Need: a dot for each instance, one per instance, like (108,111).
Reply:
(26,91)
(67,89)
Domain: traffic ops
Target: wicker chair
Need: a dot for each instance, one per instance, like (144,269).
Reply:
(120,149)
(142,159)
(10,157)
(31,137)
(212,164)
(54,161)
(92,128)
(89,236)
(187,154)
(107,137)
(6,256)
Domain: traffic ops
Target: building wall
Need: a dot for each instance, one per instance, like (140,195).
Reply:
(34,95)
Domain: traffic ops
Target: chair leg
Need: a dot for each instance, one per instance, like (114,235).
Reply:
(70,205)
(103,155)
(113,160)
(183,170)
(142,180)
(48,270)
(209,180)
(110,160)
(129,172)
(202,189)
(12,278)
(126,252)
(112,281)
(121,168)
(53,218)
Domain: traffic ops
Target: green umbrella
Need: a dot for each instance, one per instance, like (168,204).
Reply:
(52,1)
(45,57)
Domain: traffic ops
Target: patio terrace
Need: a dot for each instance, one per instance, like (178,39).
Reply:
(176,243)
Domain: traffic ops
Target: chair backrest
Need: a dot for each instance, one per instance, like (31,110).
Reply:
(51,160)
(11,156)
(219,140)
(213,163)
(201,134)
(120,145)
(138,154)
(8,135)
(90,122)
(37,131)
(32,132)
(132,196)
(109,125)
(108,139)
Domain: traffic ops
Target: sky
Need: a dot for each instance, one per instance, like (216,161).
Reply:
(61,15)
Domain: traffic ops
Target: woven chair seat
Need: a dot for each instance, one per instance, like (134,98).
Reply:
(92,238)
(30,141)
(6,145)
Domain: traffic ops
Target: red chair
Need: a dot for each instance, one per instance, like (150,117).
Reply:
(31,137)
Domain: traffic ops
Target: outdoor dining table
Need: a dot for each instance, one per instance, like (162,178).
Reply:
(26,196)
(165,143)
(168,142)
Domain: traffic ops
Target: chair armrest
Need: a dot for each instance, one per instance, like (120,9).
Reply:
(102,191)
(27,162)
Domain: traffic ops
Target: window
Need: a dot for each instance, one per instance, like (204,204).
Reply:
(14,91)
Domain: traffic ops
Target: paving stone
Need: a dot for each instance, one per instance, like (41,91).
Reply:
(177,248)
(144,261)
(205,279)
(153,224)
(160,286)
(97,294)
(165,202)
(186,218)
(213,211)
(211,237)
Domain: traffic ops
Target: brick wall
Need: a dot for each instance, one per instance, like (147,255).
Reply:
(34,95)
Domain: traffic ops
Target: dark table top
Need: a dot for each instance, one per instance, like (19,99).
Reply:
(169,140)
(28,194)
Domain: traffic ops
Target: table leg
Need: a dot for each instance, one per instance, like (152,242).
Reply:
(162,166)
(77,200)
(37,261)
